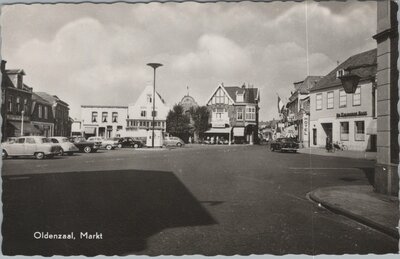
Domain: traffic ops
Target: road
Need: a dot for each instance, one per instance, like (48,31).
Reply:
(196,200)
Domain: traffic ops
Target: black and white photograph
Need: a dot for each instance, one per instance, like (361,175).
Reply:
(200,128)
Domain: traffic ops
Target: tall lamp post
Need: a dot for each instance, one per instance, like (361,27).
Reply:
(153,114)
(22,123)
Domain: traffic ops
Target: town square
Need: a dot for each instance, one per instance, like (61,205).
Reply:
(256,128)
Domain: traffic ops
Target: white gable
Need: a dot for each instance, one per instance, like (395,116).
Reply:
(145,103)
(220,96)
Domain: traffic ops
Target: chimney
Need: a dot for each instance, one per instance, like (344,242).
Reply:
(3,66)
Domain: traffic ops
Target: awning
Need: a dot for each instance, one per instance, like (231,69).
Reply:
(371,128)
(28,128)
(238,131)
(218,130)
(90,130)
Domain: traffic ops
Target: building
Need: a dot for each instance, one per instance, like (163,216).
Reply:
(298,108)
(60,110)
(16,104)
(102,121)
(42,116)
(347,118)
(386,169)
(187,103)
(234,113)
(140,119)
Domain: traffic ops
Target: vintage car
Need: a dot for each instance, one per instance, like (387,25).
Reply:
(173,141)
(284,144)
(129,142)
(105,143)
(39,147)
(66,146)
(84,146)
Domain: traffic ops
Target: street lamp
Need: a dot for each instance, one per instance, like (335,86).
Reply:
(350,80)
(22,123)
(154,66)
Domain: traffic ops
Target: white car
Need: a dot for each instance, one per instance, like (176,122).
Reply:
(67,147)
(105,143)
(39,147)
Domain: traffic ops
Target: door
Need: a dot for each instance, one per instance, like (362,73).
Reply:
(30,146)
(314,133)
(17,148)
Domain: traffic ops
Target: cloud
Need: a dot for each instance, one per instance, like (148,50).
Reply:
(97,54)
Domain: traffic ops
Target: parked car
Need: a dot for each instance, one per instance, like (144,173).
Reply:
(66,146)
(84,146)
(105,143)
(39,147)
(284,144)
(129,142)
(173,141)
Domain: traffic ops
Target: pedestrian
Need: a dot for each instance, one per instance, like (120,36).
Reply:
(190,140)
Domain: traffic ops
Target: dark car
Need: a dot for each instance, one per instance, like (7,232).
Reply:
(129,142)
(284,144)
(84,146)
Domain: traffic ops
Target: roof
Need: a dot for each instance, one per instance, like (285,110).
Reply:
(37,98)
(303,87)
(50,98)
(15,71)
(104,106)
(366,61)
(250,94)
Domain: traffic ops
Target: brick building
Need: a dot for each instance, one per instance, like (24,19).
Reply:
(42,116)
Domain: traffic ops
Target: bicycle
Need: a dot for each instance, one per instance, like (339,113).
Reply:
(340,146)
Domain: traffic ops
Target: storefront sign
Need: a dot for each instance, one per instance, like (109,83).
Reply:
(351,114)
(305,126)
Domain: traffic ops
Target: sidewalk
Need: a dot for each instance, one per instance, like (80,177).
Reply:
(362,204)
(339,153)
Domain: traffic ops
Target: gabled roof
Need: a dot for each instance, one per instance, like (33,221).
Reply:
(15,71)
(250,94)
(51,98)
(303,87)
(39,99)
(367,60)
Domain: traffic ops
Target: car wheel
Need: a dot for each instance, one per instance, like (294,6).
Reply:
(61,152)
(39,155)
(4,154)
(108,147)
(135,145)
(119,145)
(87,149)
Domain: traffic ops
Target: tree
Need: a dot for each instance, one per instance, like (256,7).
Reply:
(200,116)
(178,123)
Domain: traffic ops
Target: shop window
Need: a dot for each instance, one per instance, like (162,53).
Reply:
(342,99)
(344,130)
(359,131)
(357,97)
(318,101)
(115,117)
(250,113)
(94,116)
(104,116)
(143,113)
(329,101)
(239,115)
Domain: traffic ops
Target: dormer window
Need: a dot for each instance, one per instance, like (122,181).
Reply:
(240,97)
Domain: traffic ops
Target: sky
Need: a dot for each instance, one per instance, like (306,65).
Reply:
(97,53)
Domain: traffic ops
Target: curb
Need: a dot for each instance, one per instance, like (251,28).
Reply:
(370,223)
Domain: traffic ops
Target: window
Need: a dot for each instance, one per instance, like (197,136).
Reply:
(342,99)
(220,97)
(104,116)
(18,100)
(359,131)
(319,102)
(344,130)
(26,105)
(250,113)
(30,141)
(329,101)
(143,113)
(40,112)
(10,103)
(94,116)
(46,112)
(20,141)
(239,114)
(115,117)
(357,97)
(154,113)
(149,98)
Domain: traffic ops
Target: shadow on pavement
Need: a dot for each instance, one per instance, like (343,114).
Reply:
(369,173)
(126,206)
